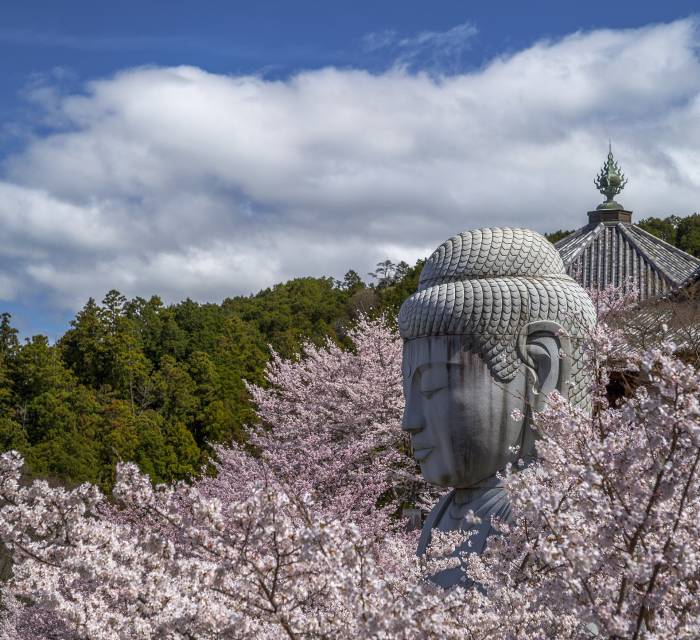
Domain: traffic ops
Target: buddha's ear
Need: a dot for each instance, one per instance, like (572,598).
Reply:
(545,348)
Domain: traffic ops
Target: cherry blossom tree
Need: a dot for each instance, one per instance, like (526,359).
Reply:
(296,541)
(197,567)
(329,437)
(336,414)
(606,539)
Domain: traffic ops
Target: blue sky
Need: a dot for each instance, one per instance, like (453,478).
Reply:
(93,39)
(213,148)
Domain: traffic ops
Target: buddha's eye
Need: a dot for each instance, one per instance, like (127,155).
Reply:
(432,381)
(429,393)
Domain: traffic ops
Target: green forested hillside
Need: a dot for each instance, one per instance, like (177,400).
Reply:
(139,380)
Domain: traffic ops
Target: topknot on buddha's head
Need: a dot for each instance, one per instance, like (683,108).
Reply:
(487,284)
(491,253)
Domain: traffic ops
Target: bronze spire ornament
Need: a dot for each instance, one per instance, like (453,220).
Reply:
(610,181)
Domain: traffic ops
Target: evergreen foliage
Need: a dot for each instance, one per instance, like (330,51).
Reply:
(136,380)
(558,235)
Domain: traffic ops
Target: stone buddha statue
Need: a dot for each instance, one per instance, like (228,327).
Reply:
(494,327)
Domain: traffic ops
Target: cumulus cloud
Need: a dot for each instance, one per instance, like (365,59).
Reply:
(186,183)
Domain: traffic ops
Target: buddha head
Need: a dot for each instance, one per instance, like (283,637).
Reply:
(494,327)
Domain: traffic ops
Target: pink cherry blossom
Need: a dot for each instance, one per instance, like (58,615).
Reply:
(304,538)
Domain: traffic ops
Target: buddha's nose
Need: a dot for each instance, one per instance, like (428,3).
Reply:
(412,420)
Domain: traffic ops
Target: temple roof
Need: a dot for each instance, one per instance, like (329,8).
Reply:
(616,252)
(612,250)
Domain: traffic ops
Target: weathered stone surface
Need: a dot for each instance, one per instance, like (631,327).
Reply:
(496,324)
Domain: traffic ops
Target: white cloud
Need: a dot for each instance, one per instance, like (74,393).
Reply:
(377,40)
(185,183)
(439,52)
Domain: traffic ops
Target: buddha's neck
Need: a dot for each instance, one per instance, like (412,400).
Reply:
(492,481)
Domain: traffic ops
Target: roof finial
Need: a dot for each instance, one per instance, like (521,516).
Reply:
(610,181)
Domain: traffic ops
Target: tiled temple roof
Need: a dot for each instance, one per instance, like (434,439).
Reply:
(617,252)
(612,250)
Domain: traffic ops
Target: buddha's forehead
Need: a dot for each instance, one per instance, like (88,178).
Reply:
(435,350)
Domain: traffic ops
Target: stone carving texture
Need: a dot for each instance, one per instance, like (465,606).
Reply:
(488,284)
(495,325)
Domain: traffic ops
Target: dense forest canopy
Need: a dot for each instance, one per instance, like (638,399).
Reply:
(141,381)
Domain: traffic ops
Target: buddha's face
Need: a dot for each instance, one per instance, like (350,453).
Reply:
(458,415)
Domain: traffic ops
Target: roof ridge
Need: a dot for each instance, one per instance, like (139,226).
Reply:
(652,261)
(587,235)
(645,254)
(666,245)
